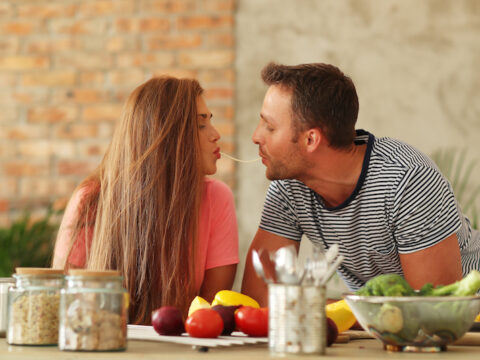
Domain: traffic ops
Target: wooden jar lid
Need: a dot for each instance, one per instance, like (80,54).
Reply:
(83,272)
(38,271)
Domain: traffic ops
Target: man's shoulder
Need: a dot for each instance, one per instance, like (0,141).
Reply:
(394,153)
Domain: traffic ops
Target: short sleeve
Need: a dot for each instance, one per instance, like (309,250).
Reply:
(77,255)
(223,240)
(425,210)
(279,214)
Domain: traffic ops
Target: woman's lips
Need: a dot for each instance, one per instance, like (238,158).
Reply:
(217,153)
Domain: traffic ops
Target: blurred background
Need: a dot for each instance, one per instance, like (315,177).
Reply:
(66,67)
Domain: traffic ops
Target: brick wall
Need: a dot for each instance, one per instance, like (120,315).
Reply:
(67,66)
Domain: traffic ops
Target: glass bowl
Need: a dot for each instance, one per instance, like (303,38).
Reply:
(415,323)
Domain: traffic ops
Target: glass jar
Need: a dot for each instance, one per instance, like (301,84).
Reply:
(33,306)
(93,312)
(5,283)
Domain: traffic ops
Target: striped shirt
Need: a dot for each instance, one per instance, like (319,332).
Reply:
(401,204)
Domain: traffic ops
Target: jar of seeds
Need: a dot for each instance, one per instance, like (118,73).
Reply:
(33,304)
(93,312)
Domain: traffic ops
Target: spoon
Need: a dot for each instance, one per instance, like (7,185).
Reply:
(257,265)
(286,264)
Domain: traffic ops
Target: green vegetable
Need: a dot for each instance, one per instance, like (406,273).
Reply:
(468,286)
(386,285)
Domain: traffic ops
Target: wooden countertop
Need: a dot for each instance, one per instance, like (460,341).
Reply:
(140,350)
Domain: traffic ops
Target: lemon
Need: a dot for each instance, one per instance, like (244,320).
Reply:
(341,314)
(198,303)
(233,298)
(477,319)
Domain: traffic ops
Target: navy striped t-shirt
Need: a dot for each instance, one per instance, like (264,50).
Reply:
(401,204)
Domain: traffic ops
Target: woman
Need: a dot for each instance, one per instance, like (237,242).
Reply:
(149,211)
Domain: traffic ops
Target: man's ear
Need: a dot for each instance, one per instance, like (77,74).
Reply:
(313,138)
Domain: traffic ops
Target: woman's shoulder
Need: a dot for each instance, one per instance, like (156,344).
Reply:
(217,189)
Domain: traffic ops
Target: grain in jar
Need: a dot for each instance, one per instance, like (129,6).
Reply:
(33,306)
(93,312)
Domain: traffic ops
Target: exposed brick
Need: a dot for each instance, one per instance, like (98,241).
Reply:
(103,112)
(17,28)
(84,61)
(141,24)
(145,60)
(52,114)
(8,79)
(30,97)
(165,42)
(23,97)
(45,186)
(93,26)
(206,59)
(92,78)
(76,131)
(9,45)
(200,22)
(8,187)
(168,6)
(127,77)
(49,78)
(222,112)
(40,45)
(207,76)
(9,114)
(105,7)
(220,40)
(219,93)
(179,73)
(46,148)
(25,168)
(87,149)
(6,10)
(227,146)
(122,43)
(34,149)
(8,149)
(24,132)
(21,62)
(70,167)
(4,205)
(46,9)
(79,96)
(225,129)
(216,6)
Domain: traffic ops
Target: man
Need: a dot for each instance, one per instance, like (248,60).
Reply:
(383,202)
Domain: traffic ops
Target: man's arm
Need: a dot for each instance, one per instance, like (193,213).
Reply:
(252,285)
(439,264)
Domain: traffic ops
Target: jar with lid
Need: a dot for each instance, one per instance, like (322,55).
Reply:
(5,283)
(33,306)
(93,311)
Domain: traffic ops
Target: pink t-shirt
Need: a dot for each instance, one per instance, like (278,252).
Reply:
(218,230)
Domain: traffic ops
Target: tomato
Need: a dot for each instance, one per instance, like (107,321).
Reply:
(252,321)
(204,323)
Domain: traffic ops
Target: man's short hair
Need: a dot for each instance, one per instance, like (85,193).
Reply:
(322,96)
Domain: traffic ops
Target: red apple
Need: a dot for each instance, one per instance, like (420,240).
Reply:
(167,320)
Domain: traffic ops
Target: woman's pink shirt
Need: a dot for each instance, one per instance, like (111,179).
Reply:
(218,230)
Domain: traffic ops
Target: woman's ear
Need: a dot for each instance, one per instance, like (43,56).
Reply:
(313,138)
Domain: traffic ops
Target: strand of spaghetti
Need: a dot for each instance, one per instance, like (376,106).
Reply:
(242,161)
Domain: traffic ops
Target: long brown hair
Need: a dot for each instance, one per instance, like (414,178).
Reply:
(145,197)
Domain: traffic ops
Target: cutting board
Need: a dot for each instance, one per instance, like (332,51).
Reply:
(470,338)
(141,332)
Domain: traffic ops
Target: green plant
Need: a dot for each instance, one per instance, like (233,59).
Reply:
(27,242)
(453,163)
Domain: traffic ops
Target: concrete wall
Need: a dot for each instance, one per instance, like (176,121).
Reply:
(415,64)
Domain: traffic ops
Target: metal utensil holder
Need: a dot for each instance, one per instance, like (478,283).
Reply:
(297,321)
